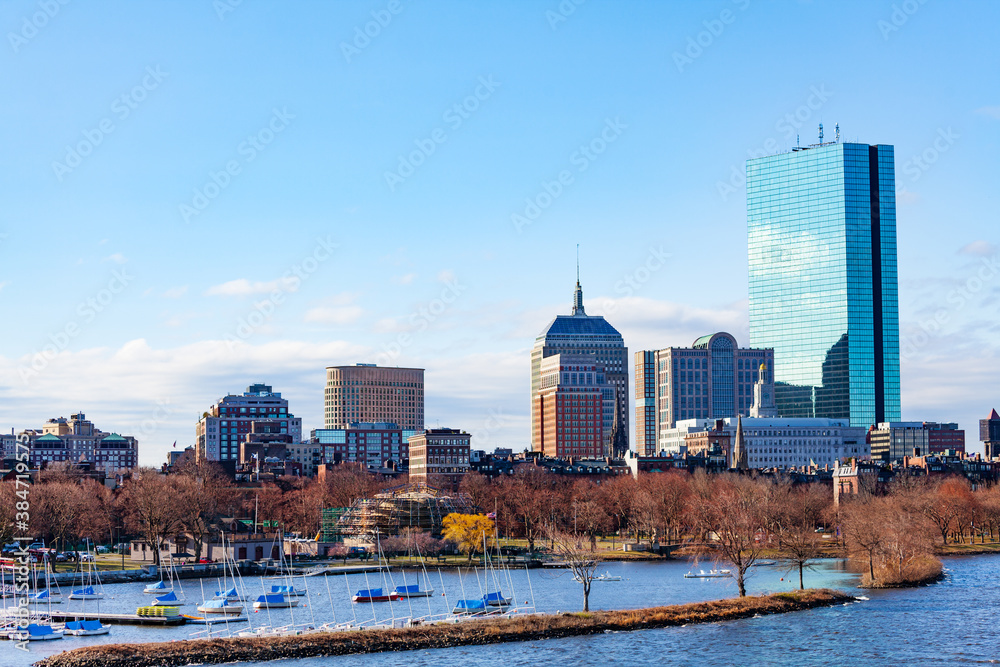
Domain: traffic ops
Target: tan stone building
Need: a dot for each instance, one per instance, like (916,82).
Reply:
(370,393)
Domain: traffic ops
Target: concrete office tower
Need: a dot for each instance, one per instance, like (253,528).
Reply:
(823,289)
(370,393)
(576,334)
(712,379)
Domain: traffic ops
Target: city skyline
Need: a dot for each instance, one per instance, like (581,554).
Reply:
(405,206)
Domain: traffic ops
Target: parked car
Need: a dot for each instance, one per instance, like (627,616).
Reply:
(357,552)
(86,558)
(61,558)
(103,550)
(205,560)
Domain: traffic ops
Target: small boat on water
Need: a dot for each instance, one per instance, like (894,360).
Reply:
(374,595)
(763,563)
(86,628)
(274,601)
(157,589)
(168,600)
(470,607)
(496,600)
(44,597)
(231,595)
(36,633)
(220,607)
(607,576)
(287,590)
(412,592)
(86,593)
(708,574)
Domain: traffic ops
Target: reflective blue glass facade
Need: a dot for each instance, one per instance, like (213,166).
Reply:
(823,282)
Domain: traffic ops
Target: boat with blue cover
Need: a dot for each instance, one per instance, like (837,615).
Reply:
(231,594)
(86,628)
(496,600)
(36,633)
(219,607)
(470,607)
(274,601)
(374,595)
(44,597)
(168,600)
(86,593)
(286,590)
(412,591)
(157,589)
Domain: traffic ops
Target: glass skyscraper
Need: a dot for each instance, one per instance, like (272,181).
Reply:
(823,285)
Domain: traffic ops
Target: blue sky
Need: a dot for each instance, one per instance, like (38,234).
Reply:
(202,195)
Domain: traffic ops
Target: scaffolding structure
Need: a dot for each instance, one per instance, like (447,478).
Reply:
(388,513)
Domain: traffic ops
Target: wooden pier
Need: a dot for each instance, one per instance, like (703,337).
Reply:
(119,619)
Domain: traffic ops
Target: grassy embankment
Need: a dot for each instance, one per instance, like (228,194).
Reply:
(442,635)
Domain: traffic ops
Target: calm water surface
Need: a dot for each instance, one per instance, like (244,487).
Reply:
(953,622)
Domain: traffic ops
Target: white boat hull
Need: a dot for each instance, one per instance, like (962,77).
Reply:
(24,636)
(88,633)
(234,609)
(276,605)
(81,596)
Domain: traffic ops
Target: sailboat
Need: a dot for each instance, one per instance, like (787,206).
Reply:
(45,596)
(219,607)
(35,632)
(88,592)
(274,601)
(86,628)
(169,599)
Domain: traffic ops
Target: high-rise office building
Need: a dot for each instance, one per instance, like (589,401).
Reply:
(823,289)
(370,393)
(712,379)
(571,406)
(259,415)
(577,334)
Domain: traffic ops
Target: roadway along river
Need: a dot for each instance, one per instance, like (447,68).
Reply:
(947,623)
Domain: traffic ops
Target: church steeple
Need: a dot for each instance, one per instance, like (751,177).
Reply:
(578,292)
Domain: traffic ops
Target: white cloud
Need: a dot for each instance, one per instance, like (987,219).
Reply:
(243,287)
(2,285)
(175,292)
(116,258)
(124,389)
(979,249)
(405,279)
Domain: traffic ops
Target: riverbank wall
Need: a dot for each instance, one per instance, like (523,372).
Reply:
(442,635)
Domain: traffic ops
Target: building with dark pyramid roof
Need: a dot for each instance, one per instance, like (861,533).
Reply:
(592,336)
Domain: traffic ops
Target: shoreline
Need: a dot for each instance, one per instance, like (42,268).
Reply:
(441,635)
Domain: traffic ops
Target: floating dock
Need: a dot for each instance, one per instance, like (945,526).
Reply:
(119,619)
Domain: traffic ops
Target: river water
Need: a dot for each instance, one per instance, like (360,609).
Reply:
(948,623)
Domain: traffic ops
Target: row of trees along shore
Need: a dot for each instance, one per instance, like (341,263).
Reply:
(891,535)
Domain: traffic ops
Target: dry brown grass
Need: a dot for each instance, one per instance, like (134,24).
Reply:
(478,632)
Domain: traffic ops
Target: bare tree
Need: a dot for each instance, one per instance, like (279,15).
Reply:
(581,562)
(150,507)
(737,516)
(861,522)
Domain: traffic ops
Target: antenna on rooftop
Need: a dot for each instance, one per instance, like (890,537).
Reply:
(797,144)
(837,128)
(578,263)
(821,133)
